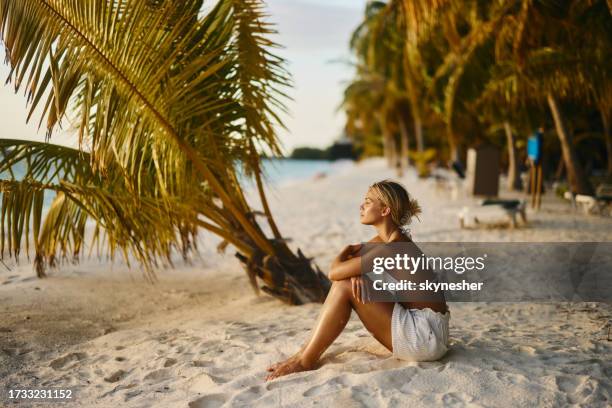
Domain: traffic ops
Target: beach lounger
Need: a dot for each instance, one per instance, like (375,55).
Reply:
(604,195)
(597,204)
(511,208)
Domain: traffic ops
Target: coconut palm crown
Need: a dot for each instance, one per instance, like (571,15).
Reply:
(169,104)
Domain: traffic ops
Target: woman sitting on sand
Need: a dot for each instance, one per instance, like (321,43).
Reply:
(413,331)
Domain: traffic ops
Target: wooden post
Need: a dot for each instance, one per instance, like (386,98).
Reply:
(538,197)
(532,183)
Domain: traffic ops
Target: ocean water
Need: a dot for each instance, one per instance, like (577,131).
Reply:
(281,171)
(276,172)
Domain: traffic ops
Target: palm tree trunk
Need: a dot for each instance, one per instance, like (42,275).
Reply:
(289,277)
(404,143)
(388,148)
(454,149)
(559,171)
(514,179)
(418,133)
(575,174)
(607,137)
(396,160)
(412,85)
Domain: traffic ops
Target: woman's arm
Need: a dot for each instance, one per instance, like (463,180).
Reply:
(345,266)
(348,264)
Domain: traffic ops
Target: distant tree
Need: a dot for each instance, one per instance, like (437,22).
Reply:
(309,153)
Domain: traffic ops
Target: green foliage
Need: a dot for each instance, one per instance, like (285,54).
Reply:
(166,105)
(169,106)
(422,161)
(309,153)
(334,152)
(463,67)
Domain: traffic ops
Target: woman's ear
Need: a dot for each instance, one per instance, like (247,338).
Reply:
(386,211)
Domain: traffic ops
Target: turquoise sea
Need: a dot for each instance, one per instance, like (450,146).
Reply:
(276,172)
(279,171)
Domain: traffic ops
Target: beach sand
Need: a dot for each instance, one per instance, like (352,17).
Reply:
(200,337)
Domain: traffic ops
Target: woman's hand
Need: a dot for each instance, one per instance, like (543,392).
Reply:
(346,264)
(357,285)
(350,251)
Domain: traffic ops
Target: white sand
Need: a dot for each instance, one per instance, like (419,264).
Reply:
(201,338)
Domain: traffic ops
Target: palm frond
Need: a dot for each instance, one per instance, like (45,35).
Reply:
(44,162)
(137,81)
(145,227)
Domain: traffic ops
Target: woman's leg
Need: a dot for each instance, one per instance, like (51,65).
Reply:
(333,318)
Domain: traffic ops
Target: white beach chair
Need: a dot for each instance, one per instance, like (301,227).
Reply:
(491,210)
(597,204)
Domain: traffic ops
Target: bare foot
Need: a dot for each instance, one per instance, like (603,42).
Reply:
(278,364)
(287,367)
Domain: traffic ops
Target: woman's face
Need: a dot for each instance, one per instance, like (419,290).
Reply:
(371,211)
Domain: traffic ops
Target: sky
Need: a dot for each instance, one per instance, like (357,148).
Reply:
(314,35)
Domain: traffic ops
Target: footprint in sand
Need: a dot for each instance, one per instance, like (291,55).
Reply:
(207,345)
(16,351)
(366,396)
(157,375)
(208,401)
(299,378)
(582,388)
(64,361)
(203,383)
(332,385)
(508,378)
(202,363)
(169,362)
(116,376)
(246,397)
(131,394)
(568,384)
(456,399)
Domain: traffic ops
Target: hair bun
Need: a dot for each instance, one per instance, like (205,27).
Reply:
(405,218)
(413,209)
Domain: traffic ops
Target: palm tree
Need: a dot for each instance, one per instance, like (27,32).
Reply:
(540,52)
(471,66)
(364,102)
(387,50)
(378,45)
(362,123)
(514,179)
(555,57)
(169,107)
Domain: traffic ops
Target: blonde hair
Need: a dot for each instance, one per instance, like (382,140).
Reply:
(396,198)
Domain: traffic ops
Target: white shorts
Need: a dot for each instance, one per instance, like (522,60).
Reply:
(419,334)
